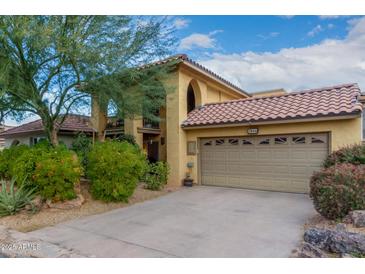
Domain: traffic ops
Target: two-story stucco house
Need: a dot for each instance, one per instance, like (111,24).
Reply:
(223,136)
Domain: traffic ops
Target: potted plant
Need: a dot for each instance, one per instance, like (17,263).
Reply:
(188,181)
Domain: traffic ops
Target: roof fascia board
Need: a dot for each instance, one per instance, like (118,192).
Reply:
(284,121)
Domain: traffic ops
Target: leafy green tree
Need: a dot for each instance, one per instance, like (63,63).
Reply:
(49,65)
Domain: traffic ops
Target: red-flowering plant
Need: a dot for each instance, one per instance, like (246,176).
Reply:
(354,154)
(338,189)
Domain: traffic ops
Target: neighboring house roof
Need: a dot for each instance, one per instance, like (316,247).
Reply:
(2,129)
(72,123)
(323,102)
(186,59)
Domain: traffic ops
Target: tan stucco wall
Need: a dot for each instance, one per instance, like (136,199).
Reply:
(98,118)
(131,127)
(162,147)
(206,91)
(342,133)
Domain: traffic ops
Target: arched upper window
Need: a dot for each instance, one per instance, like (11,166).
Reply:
(190,99)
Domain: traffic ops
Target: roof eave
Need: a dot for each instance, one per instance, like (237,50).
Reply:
(19,133)
(40,131)
(318,118)
(210,74)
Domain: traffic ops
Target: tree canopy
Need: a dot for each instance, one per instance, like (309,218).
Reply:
(44,60)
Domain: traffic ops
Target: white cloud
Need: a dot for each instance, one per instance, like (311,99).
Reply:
(286,16)
(330,26)
(199,40)
(327,63)
(323,17)
(181,23)
(268,36)
(317,29)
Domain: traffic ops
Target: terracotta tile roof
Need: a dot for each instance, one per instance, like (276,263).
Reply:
(322,102)
(185,58)
(73,123)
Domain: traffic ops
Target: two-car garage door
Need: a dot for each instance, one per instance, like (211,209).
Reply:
(279,163)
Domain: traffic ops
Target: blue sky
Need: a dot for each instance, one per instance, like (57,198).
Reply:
(263,33)
(266,52)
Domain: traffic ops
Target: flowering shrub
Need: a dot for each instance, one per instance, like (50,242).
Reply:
(7,159)
(354,154)
(54,172)
(338,189)
(114,169)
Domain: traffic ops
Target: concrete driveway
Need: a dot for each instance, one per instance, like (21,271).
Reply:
(192,222)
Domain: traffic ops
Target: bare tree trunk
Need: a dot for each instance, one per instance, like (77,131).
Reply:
(51,132)
(54,137)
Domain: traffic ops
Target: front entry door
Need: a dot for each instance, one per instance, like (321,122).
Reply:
(152,151)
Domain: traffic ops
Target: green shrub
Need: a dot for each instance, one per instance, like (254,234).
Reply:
(337,190)
(157,175)
(7,159)
(127,138)
(354,154)
(82,145)
(53,171)
(12,201)
(114,169)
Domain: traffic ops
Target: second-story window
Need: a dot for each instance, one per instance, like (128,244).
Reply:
(190,99)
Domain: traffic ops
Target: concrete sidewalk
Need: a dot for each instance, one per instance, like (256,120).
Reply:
(192,222)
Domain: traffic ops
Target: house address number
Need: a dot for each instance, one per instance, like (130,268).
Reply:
(253,131)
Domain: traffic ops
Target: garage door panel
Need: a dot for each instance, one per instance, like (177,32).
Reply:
(247,154)
(233,155)
(280,154)
(220,180)
(299,154)
(317,154)
(234,167)
(281,163)
(263,154)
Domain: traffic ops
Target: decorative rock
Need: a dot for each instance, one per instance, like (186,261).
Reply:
(67,204)
(37,202)
(345,255)
(308,250)
(341,227)
(340,242)
(317,237)
(358,218)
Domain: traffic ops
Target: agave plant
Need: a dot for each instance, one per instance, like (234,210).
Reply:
(13,200)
